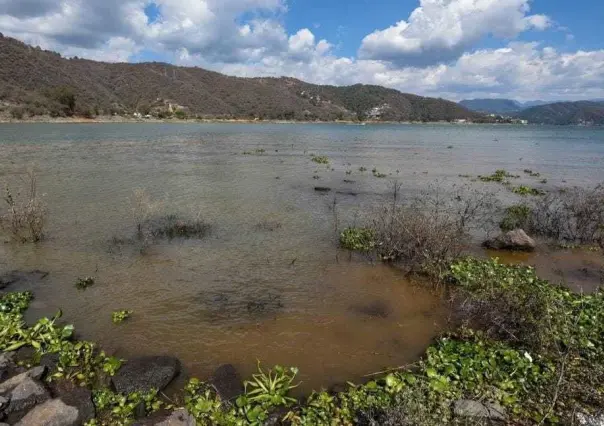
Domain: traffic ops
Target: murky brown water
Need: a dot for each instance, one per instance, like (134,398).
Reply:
(245,293)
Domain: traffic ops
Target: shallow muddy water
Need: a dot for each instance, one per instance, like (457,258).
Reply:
(279,294)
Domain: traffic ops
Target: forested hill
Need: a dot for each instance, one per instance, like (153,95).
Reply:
(583,112)
(38,82)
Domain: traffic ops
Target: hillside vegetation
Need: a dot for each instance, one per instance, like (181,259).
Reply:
(38,82)
(584,112)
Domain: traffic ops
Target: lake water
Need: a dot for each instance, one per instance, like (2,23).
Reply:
(246,293)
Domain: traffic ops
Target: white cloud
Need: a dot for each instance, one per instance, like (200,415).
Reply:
(247,38)
(441,30)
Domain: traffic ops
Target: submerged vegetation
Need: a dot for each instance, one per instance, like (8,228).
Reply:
(84,283)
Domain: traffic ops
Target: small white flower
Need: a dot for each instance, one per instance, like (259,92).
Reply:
(528,356)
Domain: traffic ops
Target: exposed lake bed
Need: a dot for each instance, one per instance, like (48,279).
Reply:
(267,281)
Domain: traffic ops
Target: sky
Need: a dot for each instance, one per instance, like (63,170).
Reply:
(454,49)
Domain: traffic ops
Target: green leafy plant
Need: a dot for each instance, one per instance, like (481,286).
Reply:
(320,159)
(358,239)
(516,216)
(119,409)
(499,176)
(120,316)
(267,390)
(527,190)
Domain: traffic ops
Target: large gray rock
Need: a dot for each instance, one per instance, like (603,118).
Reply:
(52,413)
(145,373)
(587,420)
(178,418)
(513,240)
(228,382)
(26,394)
(81,399)
(36,373)
(7,364)
(469,408)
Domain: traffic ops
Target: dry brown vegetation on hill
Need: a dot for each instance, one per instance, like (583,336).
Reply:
(38,82)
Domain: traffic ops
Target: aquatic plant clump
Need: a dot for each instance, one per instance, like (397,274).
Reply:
(84,283)
(171,226)
(120,316)
(358,239)
(499,176)
(320,159)
(527,190)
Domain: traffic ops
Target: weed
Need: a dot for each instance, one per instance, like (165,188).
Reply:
(358,239)
(527,190)
(120,409)
(171,226)
(84,283)
(362,169)
(120,316)
(320,159)
(499,176)
(517,216)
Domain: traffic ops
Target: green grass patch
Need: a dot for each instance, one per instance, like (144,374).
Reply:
(358,239)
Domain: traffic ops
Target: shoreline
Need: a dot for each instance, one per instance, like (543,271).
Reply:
(131,120)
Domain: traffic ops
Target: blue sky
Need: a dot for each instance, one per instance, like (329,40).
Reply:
(522,49)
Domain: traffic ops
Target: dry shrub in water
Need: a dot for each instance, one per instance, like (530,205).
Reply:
(575,216)
(433,230)
(25,219)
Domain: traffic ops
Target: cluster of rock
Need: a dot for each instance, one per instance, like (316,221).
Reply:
(28,399)
(25,399)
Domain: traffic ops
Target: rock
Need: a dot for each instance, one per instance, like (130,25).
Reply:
(142,374)
(376,309)
(26,395)
(50,361)
(3,402)
(587,420)
(513,240)
(228,382)
(351,193)
(52,413)
(81,400)
(469,408)
(178,418)
(25,354)
(276,417)
(35,373)
(322,189)
(7,364)
(339,388)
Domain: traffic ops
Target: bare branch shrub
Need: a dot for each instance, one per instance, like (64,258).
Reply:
(431,231)
(575,216)
(25,220)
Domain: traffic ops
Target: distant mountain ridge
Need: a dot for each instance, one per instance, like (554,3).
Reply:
(37,82)
(566,113)
(492,106)
(541,112)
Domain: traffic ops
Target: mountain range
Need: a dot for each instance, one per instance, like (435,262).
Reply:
(542,112)
(39,82)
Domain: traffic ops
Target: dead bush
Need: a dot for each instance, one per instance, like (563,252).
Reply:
(25,219)
(431,231)
(571,216)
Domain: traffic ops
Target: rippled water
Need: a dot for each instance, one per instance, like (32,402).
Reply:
(245,293)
